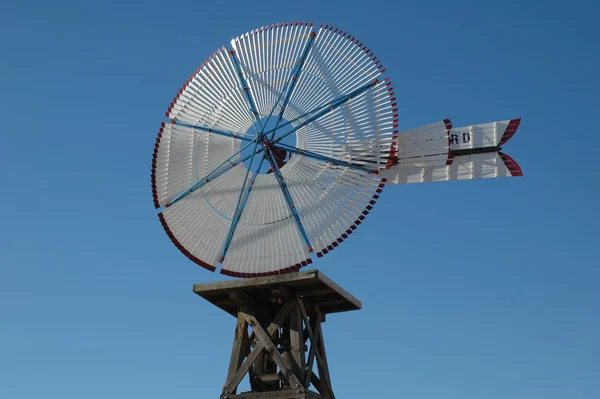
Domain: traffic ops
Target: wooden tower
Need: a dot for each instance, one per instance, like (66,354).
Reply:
(278,339)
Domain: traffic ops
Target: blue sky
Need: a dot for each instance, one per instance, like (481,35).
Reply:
(481,289)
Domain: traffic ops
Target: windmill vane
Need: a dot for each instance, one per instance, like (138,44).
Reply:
(278,146)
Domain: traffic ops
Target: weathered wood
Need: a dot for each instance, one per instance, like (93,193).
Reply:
(262,365)
(312,284)
(313,395)
(304,315)
(282,292)
(280,317)
(281,394)
(232,383)
(272,350)
(322,362)
(240,348)
(242,299)
(283,313)
(278,320)
(268,377)
(332,302)
(339,290)
(316,382)
(312,293)
(296,341)
(314,343)
(257,282)
(322,316)
(286,346)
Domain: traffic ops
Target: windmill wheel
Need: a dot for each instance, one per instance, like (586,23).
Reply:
(272,149)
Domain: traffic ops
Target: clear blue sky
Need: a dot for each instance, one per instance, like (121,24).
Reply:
(480,289)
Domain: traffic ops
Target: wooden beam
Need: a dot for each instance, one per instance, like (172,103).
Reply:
(281,394)
(331,302)
(297,341)
(232,383)
(242,299)
(306,283)
(316,382)
(282,292)
(322,362)
(278,320)
(280,317)
(305,317)
(265,340)
(256,282)
(339,290)
(268,377)
(310,293)
(313,395)
(286,346)
(240,348)
(311,356)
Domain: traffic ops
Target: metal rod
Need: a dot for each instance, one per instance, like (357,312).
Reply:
(291,84)
(323,110)
(320,157)
(288,197)
(245,88)
(242,200)
(220,132)
(209,177)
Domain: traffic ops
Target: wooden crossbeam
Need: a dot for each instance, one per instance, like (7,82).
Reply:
(311,357)
(233,382)
(278,320)
(265,341)
(304,315)
(268,377)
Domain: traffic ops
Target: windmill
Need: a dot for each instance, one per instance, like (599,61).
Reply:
(275,150)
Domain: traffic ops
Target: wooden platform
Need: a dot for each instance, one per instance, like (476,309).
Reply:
(278,340)
(312,285)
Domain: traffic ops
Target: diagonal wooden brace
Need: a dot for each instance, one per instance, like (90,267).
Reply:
(265,341)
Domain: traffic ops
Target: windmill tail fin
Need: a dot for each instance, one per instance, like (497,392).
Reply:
(494,134)
(474,152)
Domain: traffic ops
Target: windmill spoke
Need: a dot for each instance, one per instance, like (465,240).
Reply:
(322,110)
(291,84)
(324,158)
(212,175)
(242,200)
(220,132)
(245,88)
(288,197)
